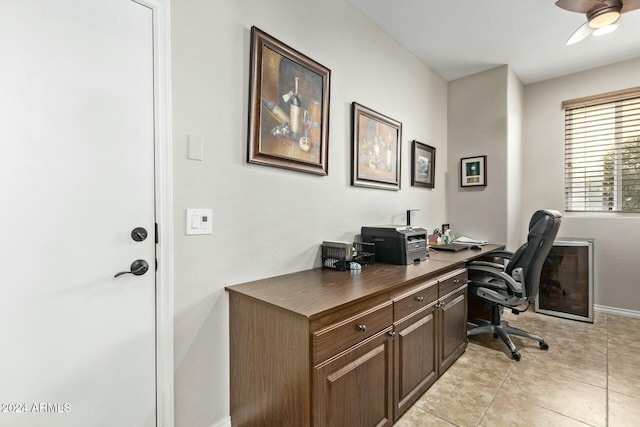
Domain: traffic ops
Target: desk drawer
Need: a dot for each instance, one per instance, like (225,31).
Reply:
(452,281)
(340,336)
(414,301)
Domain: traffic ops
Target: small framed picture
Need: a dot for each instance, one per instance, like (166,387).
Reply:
(423,165)
(473,171)
(376,149)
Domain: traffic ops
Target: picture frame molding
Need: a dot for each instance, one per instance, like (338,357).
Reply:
(416,146)
(256,152)
(467,180)
(358,177)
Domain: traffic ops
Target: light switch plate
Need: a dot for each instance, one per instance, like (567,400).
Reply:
(195,149)
(199,221)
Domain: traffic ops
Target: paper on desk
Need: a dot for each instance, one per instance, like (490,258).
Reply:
(464,240)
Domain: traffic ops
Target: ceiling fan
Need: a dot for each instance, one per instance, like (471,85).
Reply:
(601,15)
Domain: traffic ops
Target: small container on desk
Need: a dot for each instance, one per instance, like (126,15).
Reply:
(340,255)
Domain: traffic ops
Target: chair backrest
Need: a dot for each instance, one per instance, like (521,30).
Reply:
(543,228)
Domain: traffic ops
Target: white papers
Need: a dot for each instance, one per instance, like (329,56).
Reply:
(464,240)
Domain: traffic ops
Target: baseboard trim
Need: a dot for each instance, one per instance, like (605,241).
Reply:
(617,311)
(225,422)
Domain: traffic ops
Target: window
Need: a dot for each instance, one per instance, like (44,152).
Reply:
(602,153)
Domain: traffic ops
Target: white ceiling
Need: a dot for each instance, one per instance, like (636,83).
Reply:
(463,37)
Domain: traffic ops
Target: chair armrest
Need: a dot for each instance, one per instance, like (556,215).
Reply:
(515,286)
(487,264)
(501,254)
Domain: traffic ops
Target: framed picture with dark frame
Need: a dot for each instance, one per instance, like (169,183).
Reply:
(288,107)
(423,165)
(473,171)
(376,148)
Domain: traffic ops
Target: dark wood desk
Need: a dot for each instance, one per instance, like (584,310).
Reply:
(323,347)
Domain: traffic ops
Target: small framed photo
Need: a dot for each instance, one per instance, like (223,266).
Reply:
(288,107)
(423,165)
(376,149)
(473,171)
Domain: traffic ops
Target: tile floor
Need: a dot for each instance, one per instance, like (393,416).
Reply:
(590,376)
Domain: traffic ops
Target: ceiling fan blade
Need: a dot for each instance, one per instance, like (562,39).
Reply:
(580,34)
(582,6)
(629,5)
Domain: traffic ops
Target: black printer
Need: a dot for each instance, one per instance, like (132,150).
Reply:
(397,244)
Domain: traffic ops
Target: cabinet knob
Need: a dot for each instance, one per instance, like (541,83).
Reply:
(392,334)
(456,280)
(362,328)
(419,299)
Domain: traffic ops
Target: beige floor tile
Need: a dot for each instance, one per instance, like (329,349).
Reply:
(624,335)
(624,375)
(489,343)
(533,382)
(504,412)
(457,400)
(564,386)
(624,325)
(570,359)
(483,366)
(416,417)
(564,337)
(624,411)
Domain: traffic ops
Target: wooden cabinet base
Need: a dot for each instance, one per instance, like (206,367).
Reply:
(325,348)
(269,365)
(354,388)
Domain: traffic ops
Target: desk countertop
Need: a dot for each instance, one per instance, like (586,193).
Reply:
(311,293)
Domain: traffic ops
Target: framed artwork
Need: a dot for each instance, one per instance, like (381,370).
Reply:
(473,171)
(288,107)
(376,149)
(423,165)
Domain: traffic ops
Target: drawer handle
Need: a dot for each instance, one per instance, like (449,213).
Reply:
(419,299)
(362,328)
(456,281)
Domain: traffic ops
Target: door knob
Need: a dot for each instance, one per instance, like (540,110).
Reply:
(138,268)
(139,234)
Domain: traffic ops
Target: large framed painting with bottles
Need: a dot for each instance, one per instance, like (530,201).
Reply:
(288,107)
(377,140)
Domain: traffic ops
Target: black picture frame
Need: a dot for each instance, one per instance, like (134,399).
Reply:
(473,171)
(423,165)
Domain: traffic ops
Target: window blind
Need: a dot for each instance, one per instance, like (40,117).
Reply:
(602,153)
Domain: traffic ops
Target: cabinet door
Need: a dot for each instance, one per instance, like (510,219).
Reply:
(453,327)
(415,358)
(354,388)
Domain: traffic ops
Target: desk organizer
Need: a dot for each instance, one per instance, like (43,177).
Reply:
(340,255)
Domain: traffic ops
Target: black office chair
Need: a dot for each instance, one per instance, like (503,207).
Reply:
(516,283)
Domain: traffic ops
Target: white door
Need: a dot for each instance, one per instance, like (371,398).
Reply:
(77,345)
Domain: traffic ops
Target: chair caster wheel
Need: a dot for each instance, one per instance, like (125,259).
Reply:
(544,346)
(515,356)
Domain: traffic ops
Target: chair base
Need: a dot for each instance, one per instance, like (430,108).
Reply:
(502,329)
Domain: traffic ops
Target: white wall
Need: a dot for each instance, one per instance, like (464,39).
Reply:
(477,125)
(617,242)
(516,235)
(269,221)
